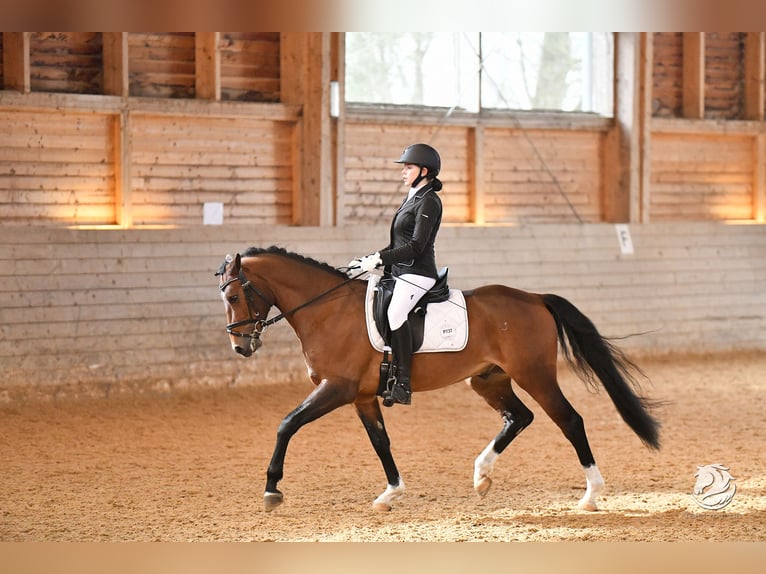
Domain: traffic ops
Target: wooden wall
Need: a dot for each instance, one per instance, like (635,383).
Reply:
(243,118)
(518,184)
(100,312)
(56,168)
(137,131)
(179,163)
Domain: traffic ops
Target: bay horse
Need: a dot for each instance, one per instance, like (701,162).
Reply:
(514,336)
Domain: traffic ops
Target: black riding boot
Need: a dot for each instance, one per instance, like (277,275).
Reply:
(401,346)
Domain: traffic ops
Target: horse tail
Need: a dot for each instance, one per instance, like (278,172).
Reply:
(591,354)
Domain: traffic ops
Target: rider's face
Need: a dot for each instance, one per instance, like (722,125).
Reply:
(410,173)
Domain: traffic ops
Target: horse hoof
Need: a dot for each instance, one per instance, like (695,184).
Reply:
(587,505)
(482,487)
(271,500)
(381,506)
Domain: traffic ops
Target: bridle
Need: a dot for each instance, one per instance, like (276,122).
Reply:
(250,291)
(259,325)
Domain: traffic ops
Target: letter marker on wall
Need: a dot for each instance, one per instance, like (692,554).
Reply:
(623,236)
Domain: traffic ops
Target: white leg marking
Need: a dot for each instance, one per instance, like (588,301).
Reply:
(482,468)
(595,486)
(391,494)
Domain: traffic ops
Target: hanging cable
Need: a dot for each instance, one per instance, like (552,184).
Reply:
(482,72)
(525,133)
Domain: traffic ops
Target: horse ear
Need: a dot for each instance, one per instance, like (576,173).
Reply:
(237,262)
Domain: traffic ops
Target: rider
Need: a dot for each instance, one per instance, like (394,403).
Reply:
(409,257)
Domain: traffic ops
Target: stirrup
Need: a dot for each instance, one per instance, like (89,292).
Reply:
(396,393)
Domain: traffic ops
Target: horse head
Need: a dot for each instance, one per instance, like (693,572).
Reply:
(246,306)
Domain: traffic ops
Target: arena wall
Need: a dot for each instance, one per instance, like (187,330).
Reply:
(103,312)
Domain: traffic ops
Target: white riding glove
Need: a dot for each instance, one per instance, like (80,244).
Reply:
(370,262)
(353,267)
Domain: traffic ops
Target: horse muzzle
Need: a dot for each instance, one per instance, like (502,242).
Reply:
(252,341)
(253,345)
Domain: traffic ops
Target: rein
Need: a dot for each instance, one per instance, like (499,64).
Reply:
(259,325)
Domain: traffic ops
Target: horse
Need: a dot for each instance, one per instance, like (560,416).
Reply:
(514,337)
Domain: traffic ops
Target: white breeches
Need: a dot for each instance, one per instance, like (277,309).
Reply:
(408,290)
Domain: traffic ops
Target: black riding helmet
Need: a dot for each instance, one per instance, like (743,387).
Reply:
(423,155)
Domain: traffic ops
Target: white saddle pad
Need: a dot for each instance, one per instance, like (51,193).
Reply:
(446,326)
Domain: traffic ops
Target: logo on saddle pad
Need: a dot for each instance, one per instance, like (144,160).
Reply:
(445,325)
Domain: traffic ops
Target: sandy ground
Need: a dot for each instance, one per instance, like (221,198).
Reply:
(191,467)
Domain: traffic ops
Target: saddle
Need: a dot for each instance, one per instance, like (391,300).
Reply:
(416,319)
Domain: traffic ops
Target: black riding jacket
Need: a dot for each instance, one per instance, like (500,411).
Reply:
(413,234)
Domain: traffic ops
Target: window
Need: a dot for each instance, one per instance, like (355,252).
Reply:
(563,71)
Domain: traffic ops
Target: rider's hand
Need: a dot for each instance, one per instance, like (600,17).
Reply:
(353,267)
(370,262)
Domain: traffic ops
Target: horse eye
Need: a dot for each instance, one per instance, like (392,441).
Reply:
(233,299)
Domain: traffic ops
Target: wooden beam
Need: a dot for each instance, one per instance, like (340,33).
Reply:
(305,80)
(338,124)
(621,198)
(759,178)
(122,169)
(755,70)
(646,79)
(115,63)
(207,58)
(16,61)
(476,174)
(693,75)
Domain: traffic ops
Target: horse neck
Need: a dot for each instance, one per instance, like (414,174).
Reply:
(293,284)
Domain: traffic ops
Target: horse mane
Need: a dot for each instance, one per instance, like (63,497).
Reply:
(281,252)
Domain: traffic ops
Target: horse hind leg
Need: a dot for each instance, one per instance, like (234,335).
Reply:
(495,388)
(546,391)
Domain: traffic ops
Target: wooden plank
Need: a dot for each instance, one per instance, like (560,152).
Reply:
(621,201)
(66,62)
(16,75)
(304,55)
(476,175)
(115,63)
(207,58)
(755,76)
(122,158)
(759,178)
(667,74)
(724,75)
(693,75)
(645,133)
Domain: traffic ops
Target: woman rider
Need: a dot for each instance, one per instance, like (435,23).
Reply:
(409,257)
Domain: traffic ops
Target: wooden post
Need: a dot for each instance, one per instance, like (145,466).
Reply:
(305,80)
(476,172)
(759,178)
(16,61)
(115,63)
(207,58)
(755,70)
(694,75)
(622,190)
(337,74)
(646,76)
(122,184)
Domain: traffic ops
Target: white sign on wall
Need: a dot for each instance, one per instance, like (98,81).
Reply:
(212,213)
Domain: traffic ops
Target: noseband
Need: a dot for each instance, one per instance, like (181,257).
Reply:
(259,325)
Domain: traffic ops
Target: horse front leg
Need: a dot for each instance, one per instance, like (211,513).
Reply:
(372,419)
(326,397)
